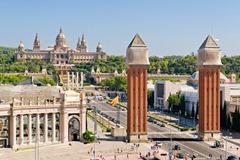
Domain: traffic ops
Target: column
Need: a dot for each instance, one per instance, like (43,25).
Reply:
(38,101)
(72,80)
(29,128)
(83,119)
(68,78)
(81,80)
(13,131)
(54,100)
(21,99)
(53,127)
(21,130)
(37,128)
(64,126)
(45,127)
(77,80)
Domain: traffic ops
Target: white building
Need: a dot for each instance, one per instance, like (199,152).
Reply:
(162,91)
(230,92)
(45,114)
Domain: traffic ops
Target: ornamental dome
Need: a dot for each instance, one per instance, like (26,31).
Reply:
(21,45)
(99,45)
(61,40)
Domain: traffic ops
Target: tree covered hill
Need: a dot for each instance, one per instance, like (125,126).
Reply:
(6,55)
(168,64)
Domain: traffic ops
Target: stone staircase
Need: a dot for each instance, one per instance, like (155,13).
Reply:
(64,80)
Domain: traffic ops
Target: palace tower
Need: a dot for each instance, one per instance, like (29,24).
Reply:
(209,63)
(137,63)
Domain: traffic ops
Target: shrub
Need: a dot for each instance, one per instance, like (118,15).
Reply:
(44,81)
(88,136)
(12,79)
(109,129)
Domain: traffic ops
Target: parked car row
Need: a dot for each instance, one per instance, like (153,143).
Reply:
(152,120)
(107,116)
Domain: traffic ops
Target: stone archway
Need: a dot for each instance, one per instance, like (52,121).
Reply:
(74,128)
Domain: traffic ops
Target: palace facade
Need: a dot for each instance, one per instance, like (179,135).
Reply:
(40,114)
(61,55)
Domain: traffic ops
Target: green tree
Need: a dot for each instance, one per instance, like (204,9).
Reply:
(173,101)
(150,97)
(115,83)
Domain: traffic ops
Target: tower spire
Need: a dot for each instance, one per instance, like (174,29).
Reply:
(209,42)
(36,43)
(78,44)
(82,45)
(137,52)
(83,41)
(99,47)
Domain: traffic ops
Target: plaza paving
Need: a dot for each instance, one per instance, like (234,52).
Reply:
(79,151)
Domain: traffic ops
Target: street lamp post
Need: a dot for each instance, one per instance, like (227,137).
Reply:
(95,131)
(170,149)
(226,144)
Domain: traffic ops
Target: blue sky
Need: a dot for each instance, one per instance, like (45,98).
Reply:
(167,27)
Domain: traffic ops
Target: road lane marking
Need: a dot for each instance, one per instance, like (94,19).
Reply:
(193,150)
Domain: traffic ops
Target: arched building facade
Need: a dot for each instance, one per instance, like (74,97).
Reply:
(57,119)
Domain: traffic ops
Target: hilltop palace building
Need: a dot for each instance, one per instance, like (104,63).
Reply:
(60,54)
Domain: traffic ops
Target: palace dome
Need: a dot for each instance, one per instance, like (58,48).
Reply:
(21,45)
(61,40)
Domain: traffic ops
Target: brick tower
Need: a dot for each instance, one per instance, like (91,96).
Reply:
(137,63)
(209,62)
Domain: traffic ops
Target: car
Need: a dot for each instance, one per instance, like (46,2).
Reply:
(158,143)
(232,158)
(176,147)
(161,124)
(150,120)
(180,156)
(155,122)
(123,109)
(218,144)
